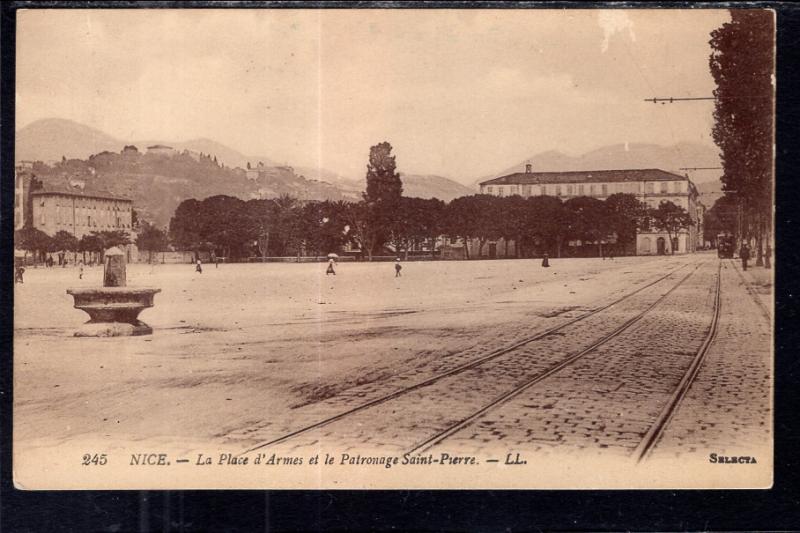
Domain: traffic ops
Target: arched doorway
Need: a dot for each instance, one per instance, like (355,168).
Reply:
(661,246)
(646,245)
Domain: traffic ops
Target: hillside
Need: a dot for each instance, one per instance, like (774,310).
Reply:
(157,184)
(49,140)
(621,156)
(431,186)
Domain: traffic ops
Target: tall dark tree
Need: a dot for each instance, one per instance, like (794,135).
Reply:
(743,64)
(721,218)
(384,186)
(382,197)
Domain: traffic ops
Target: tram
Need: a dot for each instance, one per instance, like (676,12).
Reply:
(725,246)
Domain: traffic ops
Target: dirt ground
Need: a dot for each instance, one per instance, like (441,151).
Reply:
(241,344)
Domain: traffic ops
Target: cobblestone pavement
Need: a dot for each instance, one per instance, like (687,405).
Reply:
(398,425)
(728,409)
(607,400)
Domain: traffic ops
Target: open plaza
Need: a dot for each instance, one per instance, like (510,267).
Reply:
(244,353)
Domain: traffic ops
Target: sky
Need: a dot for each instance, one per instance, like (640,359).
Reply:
(458,93)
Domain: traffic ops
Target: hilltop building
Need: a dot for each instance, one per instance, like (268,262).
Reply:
(160,149)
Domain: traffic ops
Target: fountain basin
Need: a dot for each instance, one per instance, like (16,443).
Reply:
(113,311)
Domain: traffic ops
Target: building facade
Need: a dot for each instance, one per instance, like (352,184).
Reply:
(650,186)
(160,149)
(72,208)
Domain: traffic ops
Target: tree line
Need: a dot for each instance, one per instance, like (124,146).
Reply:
(742,63)
(284,226)
(39,244)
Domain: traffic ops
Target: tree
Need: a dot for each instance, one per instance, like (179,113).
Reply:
(547,222)
(382,197)
(151,239)
(384,186)
(670,218)
(429,214)
(32,240)
(322,226)
(288,223)
(473,217)
(363,229)
(721,218)
(626,215)
(512,216)
(64,241)
(184,226)
(590,221)
(415,222)
(742,63)
(92,243)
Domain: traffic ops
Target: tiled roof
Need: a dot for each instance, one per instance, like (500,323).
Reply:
(64,188)
(585,176)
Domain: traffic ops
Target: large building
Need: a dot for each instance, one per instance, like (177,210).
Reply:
(651,186)
(72,207)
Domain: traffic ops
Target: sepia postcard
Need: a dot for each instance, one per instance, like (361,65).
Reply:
(393,248)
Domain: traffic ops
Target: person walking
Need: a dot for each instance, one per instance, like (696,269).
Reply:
(330,269)
(80,270)
(545,261)
(744,255)
(397,268)
(199,267)
(18,274)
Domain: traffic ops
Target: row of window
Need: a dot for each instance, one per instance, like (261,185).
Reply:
(581,189)
(83,204)
(544,190)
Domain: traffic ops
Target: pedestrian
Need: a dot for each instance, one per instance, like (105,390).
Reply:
(397,268)
(18,274)
(216,261)
(80,270)
(330,269)
(744,255)
(199,267)
(545,262)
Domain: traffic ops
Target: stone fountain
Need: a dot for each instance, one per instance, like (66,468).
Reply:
(114,308)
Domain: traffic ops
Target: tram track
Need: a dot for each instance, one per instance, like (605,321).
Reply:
(513,393)
(661,423)
(487,358)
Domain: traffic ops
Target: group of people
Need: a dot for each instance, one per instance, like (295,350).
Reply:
(332,267)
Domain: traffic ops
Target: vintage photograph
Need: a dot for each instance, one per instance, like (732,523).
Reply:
(393,248)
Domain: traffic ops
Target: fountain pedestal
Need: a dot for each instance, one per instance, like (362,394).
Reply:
(114,308)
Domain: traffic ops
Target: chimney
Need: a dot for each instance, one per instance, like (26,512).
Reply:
(528,167)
